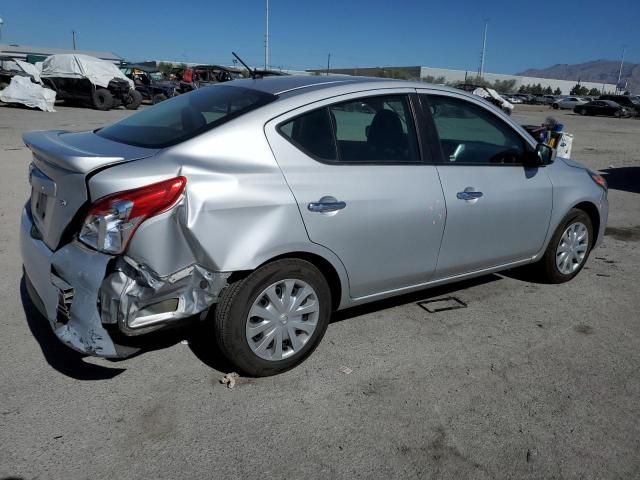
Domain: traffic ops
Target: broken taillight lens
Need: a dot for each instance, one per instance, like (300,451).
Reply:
(112,220)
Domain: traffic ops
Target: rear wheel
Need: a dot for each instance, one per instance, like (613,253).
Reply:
(274,318)
(582,111)
(102,99)
(133,100)
(555,106)
(568,249)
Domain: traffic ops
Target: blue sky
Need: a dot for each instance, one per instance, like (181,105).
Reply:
(357,33)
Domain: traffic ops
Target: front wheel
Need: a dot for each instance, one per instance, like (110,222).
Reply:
(102,99)
(568,249)
(274,318)
(555,106)
(160,97)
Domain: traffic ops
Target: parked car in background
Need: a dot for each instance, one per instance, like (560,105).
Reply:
(546,99)
(192,78)
(271,203)
(150,82)
(89,81)
(489,94)
(602,107)
(524,97)
(630,103)
(511,98)
(8,69)
(567,103)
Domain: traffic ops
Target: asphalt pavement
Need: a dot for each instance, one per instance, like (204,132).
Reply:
(529,381)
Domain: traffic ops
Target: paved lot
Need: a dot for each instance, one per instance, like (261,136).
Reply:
(530,381)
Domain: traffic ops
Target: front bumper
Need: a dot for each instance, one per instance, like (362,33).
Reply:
(604,217)
(85,294)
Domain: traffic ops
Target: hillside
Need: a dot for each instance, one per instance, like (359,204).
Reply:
(596,71)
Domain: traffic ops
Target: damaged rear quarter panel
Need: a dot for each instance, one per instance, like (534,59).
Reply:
(237,211)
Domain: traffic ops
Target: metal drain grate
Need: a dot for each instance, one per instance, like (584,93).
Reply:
(442,304)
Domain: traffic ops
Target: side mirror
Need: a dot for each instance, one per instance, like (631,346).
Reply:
(542,155)
(546,154)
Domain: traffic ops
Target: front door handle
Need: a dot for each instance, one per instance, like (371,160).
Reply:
(468,195)
(326,205)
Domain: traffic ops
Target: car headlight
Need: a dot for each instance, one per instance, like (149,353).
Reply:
(112,220)
(599,179)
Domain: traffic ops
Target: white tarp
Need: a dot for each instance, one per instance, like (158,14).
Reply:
(491,93)
(23,90)
(99,72)
(30,69)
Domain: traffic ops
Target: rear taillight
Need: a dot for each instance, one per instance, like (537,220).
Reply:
(112,220)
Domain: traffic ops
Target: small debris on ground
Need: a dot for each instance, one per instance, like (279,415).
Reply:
(345,370)
(229,379)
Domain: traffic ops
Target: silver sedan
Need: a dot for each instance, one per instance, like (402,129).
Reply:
(265,205)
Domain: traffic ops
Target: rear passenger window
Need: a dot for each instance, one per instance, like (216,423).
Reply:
(367,130)
(313,134)
(470,134)
(375,129)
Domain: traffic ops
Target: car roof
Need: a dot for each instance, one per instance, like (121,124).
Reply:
(293,85)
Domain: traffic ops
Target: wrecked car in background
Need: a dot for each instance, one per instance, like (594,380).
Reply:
(271,203)
(20,84)
(89,81)
(199,76)
(150,82)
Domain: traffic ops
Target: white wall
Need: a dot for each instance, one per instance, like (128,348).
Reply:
(564,85)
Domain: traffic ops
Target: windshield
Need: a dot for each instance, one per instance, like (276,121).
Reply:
(185,116)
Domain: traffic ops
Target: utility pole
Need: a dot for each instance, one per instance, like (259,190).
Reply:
(73,33)
(266,39)
(328,63)
(624,47)
(484,47)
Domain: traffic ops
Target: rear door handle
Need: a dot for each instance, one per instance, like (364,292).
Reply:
(468,195)
(325,205)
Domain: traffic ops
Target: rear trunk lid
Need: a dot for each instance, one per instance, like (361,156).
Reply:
(62,162)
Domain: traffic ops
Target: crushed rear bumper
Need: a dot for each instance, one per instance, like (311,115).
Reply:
(85,294)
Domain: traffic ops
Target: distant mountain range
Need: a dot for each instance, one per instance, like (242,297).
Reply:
(605,71)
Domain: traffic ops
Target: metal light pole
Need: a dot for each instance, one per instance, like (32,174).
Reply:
(624,47)
(73,33)
(266,39)
(484,47)
(328,63)
(1,24)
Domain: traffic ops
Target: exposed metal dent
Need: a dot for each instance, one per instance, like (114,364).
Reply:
(129,294)
(83,271)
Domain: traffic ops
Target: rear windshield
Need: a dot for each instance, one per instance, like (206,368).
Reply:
(185,116)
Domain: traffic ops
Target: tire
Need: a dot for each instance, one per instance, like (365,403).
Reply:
(160,97)
(3,85)
(555,106)
(232,321)
(102,99)
(133,100)
(548,264)
(582,111)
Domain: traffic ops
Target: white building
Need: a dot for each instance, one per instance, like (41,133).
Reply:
(465,76)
